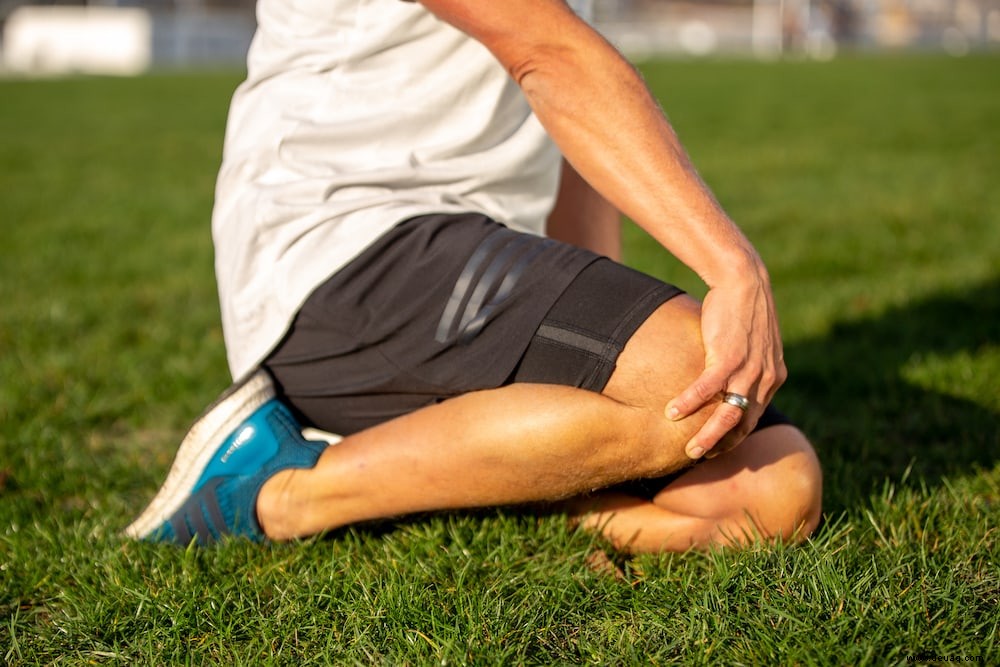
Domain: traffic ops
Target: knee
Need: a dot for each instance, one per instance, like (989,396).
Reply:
(790,493)
(661,359)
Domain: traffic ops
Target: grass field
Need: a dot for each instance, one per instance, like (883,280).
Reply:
(871,186)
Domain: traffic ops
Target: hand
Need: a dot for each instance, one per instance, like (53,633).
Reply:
(743,355)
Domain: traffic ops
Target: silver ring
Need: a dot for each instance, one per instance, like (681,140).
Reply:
(738,400)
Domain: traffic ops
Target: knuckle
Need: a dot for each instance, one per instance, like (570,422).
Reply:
(769,379)
(703,396)
(730,418)
(703,389)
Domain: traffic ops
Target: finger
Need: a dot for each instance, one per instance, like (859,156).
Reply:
(725,428)
(704,389)
(734,438)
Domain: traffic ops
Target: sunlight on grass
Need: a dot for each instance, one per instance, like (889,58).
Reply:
(870,187)
(968,374)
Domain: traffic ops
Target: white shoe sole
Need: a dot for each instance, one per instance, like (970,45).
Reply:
(203,439)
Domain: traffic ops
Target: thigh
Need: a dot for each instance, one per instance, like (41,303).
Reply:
(579,342)
(619,332)
(661,358)
(440,306)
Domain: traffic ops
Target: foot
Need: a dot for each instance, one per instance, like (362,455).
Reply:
(241,441)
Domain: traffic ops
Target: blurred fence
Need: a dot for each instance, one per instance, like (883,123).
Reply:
(816,28)
(130,36)
(123,38)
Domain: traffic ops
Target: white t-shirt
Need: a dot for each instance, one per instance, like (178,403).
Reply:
(356,115)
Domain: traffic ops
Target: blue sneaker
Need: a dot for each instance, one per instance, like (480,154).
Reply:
(244,438)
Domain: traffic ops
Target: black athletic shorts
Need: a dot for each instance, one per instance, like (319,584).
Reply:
(442,305)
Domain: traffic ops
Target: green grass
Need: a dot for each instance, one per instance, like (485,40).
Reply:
(871,187)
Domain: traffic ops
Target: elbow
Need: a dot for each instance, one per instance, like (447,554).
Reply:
(536,67)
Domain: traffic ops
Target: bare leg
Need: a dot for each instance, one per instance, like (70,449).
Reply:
(768,488)
(516,444)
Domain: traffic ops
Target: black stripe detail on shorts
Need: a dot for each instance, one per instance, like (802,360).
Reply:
(505,255)
(579,340)
(488,281)
(460,292)
(572,339)
(473,327)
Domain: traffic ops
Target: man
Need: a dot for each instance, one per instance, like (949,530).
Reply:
(388,173)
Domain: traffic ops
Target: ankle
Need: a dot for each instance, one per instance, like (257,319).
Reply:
(276,506)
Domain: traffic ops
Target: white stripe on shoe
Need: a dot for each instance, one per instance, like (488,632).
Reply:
(203,439)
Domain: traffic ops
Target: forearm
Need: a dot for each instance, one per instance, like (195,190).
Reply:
(605,121)
(599,112)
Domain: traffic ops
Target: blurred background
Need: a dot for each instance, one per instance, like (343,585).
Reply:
(133,36)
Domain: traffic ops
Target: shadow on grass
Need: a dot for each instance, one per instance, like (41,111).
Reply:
(870,423)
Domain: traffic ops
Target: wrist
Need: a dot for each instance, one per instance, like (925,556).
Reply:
(740,265)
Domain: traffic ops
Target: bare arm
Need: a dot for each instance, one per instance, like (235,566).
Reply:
(585,218)
(608,126)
